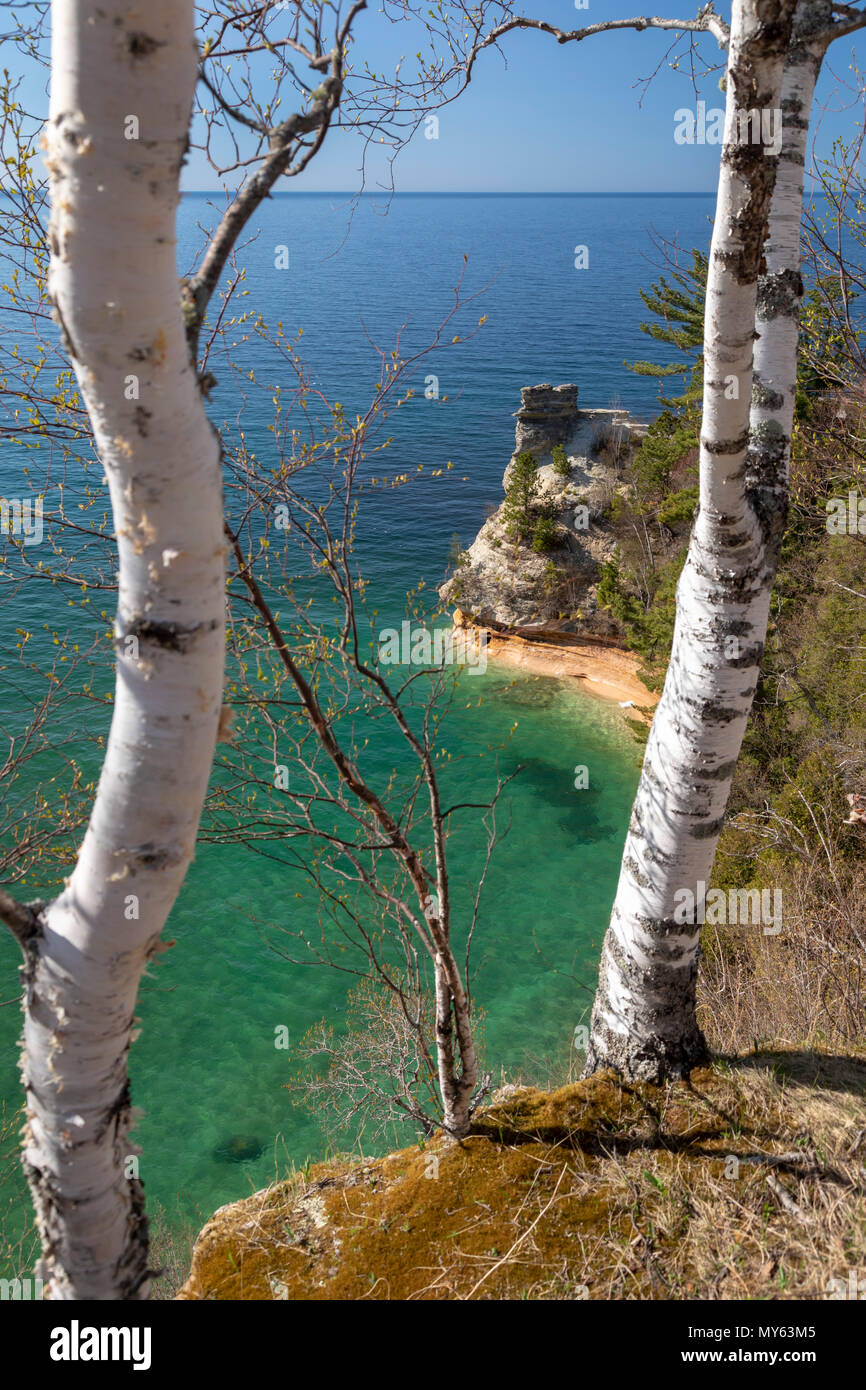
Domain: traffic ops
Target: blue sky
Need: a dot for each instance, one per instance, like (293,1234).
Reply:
(560,118)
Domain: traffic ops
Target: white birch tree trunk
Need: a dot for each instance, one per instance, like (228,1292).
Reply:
(780,288)
(121,92)
(643,1021)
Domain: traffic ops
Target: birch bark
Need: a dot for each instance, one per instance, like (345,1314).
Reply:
(121,93)
(643,1022)
(780,288)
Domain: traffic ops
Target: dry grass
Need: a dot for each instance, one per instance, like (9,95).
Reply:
(171,1246)
(746,1182)
(609,443)
(806,986)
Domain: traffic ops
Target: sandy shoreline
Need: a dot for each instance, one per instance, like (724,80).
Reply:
(606,672)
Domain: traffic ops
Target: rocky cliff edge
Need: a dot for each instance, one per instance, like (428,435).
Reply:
(512,587)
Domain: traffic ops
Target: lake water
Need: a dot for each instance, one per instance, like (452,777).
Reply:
(205,1067)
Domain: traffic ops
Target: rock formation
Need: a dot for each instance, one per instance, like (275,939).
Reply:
(546,417)
(504,582)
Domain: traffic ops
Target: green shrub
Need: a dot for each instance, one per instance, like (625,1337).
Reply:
(678,506)
(665,444)
(519,497)
(561,465)
(544,535)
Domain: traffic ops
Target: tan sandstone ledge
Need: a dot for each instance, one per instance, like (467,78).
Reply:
(604,670)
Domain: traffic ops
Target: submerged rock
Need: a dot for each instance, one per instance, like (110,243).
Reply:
(238,1148)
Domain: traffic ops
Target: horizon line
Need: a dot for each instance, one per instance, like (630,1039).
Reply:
(468,193)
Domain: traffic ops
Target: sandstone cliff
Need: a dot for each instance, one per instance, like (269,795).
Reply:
(506,584)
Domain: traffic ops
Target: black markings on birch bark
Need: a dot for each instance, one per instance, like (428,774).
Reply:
(779,293)
(765,396)
(142,45)
(172,637)
(726,446)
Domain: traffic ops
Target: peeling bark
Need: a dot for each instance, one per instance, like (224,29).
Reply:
(114,283)
(644,1023)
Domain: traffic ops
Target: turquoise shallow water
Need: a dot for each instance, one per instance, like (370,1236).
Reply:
(205,1067)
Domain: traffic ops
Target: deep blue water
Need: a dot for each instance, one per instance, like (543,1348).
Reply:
(368,270)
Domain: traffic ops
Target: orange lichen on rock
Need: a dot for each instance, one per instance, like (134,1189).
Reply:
(597,1190)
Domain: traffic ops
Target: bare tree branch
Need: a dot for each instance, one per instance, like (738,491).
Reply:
(707,21)
(22,919)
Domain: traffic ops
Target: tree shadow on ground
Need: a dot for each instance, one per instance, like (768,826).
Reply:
(824,1071)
